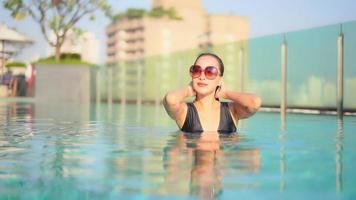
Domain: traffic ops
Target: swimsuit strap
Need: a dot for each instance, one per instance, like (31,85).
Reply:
(226,124)
(192,122)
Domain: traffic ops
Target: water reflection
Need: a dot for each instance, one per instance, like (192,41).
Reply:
(207,170)
(338,156)
(195,163)
(138,113)
(16,119)
(67,111)
(282,159)
(17,110)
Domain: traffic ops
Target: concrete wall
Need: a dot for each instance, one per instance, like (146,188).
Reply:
(63,83)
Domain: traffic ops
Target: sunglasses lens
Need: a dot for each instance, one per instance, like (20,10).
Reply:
(211,72)
(195,71)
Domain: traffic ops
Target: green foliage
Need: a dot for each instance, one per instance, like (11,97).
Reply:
(74,56)
(56,16)
(63,62)
(172,13)
(66,59)
(118,17)
(157,12)
(135,13)
(16,7)
(130,13)
(66,56)
(15,64)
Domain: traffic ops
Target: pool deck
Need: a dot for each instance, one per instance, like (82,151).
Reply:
(312,111)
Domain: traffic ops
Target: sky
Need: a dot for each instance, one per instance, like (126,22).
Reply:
(266,17)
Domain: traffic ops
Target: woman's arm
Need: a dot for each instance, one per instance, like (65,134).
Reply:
(173,101)
(243,104)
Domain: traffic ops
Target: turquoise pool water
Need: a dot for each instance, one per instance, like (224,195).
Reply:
(130,152)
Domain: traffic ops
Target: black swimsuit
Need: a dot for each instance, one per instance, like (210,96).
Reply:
(192,122)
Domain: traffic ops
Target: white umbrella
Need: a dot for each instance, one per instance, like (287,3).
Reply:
(11,42)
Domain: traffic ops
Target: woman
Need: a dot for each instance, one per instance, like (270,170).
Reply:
(201,160)
(207,113)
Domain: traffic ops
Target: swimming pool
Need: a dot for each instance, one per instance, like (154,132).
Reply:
(135,152)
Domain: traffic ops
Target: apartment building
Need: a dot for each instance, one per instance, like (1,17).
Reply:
(131,39)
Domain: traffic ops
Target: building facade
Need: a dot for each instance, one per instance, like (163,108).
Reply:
(134,39)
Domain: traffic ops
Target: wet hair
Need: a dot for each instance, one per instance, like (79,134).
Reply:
(221,64)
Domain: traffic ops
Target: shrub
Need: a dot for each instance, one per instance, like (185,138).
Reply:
(157,12)
(15,64)
(66,58)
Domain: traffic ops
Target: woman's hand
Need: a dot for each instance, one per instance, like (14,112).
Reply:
(221,91)
(190,91)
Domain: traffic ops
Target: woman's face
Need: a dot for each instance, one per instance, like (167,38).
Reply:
(202,85)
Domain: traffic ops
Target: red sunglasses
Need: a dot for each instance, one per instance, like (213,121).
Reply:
(210,72)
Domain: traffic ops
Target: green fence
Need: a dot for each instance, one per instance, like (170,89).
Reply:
(251,66)
(311,67)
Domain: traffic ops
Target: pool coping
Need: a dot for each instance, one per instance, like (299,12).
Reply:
(311,111)
(307,111)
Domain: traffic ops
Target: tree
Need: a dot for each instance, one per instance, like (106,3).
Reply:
(56,16)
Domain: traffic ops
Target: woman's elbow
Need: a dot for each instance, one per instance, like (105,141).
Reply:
(169,99)
(258,102)
(255,104)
